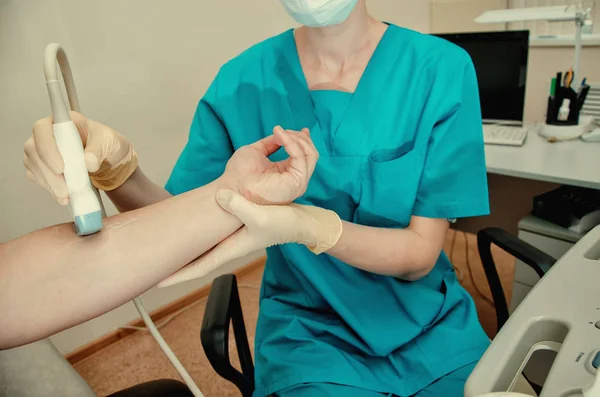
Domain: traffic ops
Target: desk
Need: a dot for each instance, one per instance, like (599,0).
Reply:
(516,174)
(575,163)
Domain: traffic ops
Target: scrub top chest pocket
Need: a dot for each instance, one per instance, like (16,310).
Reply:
(389,185)
(335,185)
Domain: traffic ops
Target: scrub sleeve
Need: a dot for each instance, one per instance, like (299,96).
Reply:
(454,180)
(207,151)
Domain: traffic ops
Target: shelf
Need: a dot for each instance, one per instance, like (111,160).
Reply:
(564,41)
(552,13)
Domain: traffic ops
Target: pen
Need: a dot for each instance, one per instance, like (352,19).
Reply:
(553,88)
(582,86)
(568,78)
(582,96)
(559,79)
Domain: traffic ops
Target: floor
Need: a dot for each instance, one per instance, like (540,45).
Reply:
(137,358)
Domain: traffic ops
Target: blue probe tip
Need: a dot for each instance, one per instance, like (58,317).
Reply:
(88,224)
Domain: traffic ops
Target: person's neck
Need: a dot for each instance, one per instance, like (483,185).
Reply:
(338,44)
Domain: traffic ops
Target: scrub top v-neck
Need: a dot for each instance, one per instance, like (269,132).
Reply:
(360,102)
(330,108)
(407,142)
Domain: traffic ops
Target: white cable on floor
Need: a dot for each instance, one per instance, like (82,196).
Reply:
(139,305)
(170,318)
(457,270)
(151,327)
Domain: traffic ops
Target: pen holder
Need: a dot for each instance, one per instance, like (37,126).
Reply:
(554,104)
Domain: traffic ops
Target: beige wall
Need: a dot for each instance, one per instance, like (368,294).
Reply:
(411,14)
(457,15)
(140,66)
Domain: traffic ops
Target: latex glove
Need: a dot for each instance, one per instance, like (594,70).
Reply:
(264,226)
(109,157)
(265,182)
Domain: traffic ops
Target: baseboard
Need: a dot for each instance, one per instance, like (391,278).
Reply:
(113,337)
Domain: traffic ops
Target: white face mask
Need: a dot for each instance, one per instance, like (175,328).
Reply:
(319,13)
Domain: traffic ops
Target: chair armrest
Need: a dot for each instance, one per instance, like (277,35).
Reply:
(222,308)
(539,261)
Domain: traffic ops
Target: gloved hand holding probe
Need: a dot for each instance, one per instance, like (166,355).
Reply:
(109,157)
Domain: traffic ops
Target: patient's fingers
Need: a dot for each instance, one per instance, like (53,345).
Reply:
(310,151)
(297,160)
(305,136)
(268,145)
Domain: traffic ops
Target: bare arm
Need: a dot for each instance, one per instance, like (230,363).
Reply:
(53,279)
(408,253)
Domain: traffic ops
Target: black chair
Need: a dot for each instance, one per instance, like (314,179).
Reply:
(539,261)
(224,308)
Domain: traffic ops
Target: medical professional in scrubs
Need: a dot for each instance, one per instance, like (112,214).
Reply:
(395,116)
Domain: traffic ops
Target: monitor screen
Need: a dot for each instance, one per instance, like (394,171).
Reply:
(500,60)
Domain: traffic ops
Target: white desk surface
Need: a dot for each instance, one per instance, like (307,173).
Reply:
(575,162)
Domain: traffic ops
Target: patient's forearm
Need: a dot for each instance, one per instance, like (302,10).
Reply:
(53,279)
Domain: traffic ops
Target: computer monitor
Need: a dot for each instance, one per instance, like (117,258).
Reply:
(500,60)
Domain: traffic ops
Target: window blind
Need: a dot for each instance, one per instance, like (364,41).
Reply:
(592,102)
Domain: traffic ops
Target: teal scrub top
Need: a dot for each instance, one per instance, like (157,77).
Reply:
(407,142)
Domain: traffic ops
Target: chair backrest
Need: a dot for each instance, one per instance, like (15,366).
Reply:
(222,309)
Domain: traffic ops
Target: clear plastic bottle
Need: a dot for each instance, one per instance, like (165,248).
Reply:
(563,112)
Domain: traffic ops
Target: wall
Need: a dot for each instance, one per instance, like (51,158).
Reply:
(449,16)
(411,14)
(140,66)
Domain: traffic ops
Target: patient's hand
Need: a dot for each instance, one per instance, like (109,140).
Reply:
(265,182)
(249,173)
